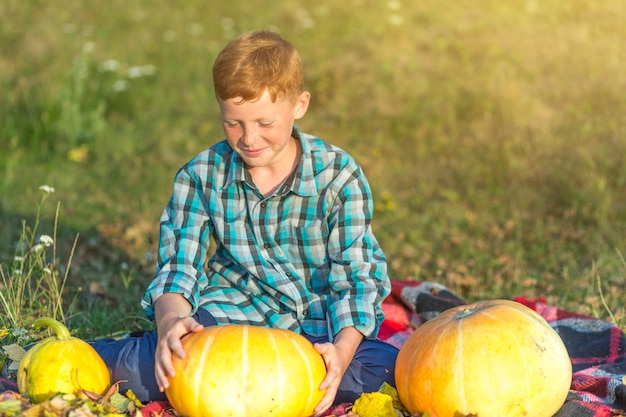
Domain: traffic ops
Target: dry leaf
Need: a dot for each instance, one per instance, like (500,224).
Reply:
(15,353)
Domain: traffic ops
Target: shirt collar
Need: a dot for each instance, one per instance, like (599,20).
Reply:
(236,169)
(303,182)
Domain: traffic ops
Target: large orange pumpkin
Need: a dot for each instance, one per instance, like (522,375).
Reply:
(60,364)
(492,358)
(246,371)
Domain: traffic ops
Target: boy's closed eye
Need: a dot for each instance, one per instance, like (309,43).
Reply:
(261,123)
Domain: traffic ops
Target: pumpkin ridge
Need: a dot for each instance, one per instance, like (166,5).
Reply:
(518,341)
(416,353)
(279,365)
(460,375)
(523,357)
(245,362)
(551,337)
(441,329)
(309,374)
(198,376)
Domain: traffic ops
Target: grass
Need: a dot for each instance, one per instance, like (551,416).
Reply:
(491,133)
(31,285)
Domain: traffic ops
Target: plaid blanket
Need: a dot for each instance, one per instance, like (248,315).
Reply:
(597,348)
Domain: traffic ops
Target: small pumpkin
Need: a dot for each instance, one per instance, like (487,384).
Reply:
(491,358)
(246,371)
(60,364)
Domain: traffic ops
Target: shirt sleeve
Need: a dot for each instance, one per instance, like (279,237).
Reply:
(183,244)
(358,275)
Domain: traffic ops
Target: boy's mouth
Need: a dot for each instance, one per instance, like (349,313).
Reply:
(252,152)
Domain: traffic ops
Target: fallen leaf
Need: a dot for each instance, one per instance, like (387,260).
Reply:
(374,404)
(15,353)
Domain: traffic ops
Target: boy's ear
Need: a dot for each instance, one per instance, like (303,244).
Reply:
(302,104)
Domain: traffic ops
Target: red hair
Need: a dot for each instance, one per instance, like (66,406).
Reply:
(254,62)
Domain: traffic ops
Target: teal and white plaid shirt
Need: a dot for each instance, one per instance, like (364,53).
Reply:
(303,259)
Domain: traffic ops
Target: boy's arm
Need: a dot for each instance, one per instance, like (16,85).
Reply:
(358,274)
(170,307)
(183,244)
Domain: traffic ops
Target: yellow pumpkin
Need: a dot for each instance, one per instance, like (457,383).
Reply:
(60,364)
(492,358)
(239,370)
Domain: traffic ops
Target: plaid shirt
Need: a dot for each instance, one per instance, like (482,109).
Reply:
(303,259)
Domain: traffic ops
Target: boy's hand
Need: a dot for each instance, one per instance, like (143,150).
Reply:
(170,332)
(337,357)
(173,322)
(336,366)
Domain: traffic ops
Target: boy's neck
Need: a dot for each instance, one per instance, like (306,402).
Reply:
(270,178)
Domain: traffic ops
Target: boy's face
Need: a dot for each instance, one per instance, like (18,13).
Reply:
(260,131)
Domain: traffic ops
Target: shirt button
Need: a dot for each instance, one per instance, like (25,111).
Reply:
(267,245)
(305,312)
(263,204)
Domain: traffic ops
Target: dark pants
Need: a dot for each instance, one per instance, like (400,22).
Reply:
(132,360)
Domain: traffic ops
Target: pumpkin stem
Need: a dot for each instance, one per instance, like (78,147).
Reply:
(464,313)
(57,327)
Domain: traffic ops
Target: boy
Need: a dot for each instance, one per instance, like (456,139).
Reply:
(290,216)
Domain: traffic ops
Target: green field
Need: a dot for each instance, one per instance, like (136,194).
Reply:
(492,133)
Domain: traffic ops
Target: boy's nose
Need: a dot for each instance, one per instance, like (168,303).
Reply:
(248,135)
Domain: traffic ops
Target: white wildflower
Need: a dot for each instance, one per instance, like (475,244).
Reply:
(134,72)
(148,69)
(18,258)
(38,247)
(140,71)
(88,47)
(111,65)
(20,332)
(395,19)
(120,85)
(46,240)
(394,5)
(47,189)
(47,271)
